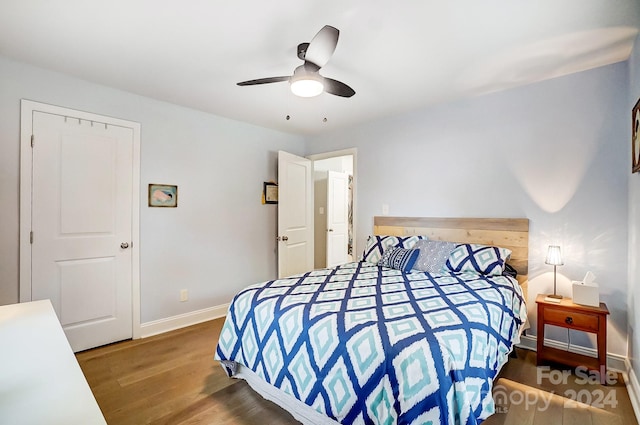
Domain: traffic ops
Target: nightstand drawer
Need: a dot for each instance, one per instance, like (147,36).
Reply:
(573,319)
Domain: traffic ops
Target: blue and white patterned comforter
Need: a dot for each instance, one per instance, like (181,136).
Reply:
(371,345)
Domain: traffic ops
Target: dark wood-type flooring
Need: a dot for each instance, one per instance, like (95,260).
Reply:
(172,379)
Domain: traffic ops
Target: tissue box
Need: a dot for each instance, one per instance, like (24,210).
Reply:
(586,294)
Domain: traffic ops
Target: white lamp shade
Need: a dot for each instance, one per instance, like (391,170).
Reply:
(306,88)
(305,83)
(554,257)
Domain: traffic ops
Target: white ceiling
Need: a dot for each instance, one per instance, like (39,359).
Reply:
(396,55)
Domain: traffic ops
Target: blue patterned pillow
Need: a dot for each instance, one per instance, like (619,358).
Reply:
(483,259)
(433,255)
(377,244)
(399,258)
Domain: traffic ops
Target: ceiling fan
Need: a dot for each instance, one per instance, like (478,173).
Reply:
(306,80)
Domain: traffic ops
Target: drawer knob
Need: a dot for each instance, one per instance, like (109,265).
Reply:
(568,320)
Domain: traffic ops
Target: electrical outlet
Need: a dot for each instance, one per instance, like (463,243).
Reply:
(184,295)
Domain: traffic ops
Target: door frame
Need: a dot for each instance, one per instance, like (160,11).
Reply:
(343,152)
(27,107)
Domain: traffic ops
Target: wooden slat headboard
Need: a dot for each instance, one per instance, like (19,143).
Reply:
(511,233)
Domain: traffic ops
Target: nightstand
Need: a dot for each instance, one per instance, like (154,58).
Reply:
(566,314)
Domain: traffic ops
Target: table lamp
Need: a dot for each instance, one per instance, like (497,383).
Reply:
(554,258)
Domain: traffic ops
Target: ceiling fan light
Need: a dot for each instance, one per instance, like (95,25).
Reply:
(306,87)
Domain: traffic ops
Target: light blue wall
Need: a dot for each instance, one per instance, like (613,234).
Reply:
(634,222)
(219,239)
(555,152)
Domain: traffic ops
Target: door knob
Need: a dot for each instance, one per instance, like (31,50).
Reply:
(124,245)
(282,238)
(329,230)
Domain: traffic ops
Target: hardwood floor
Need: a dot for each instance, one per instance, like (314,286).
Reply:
(526,394)
(172,379)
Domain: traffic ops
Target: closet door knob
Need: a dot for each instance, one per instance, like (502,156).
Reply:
(124,245)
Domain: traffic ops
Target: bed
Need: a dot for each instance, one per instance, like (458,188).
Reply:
(379,342)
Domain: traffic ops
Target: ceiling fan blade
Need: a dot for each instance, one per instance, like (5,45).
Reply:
(322,46)
(263,81)
(337,88)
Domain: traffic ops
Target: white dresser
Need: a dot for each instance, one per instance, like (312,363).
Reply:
(40,379)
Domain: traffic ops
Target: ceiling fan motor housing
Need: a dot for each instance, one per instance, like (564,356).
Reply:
(302,50)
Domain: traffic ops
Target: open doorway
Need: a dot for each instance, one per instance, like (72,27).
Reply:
(334,207)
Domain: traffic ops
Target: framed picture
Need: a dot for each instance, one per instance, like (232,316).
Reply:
(163,195)
(635,138)
(270,193)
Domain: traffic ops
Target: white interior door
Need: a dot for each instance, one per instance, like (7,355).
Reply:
(295,215)
(337,218)
(82,215)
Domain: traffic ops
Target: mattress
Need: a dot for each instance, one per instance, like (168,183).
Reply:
(366,344)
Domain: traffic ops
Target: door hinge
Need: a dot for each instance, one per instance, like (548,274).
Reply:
(31,237)
(32,138)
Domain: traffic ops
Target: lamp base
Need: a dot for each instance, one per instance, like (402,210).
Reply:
(553,298)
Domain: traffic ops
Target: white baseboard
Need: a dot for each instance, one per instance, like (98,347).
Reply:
(182,320)
(633,388)
(614,361)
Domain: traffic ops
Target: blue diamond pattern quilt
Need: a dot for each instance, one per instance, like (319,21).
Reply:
(365,344)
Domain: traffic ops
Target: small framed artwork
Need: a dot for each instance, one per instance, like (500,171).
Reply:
(163,195)
(270,193)
(635,138)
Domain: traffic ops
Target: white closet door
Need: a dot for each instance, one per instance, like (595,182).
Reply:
(337,218)
(82,226)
